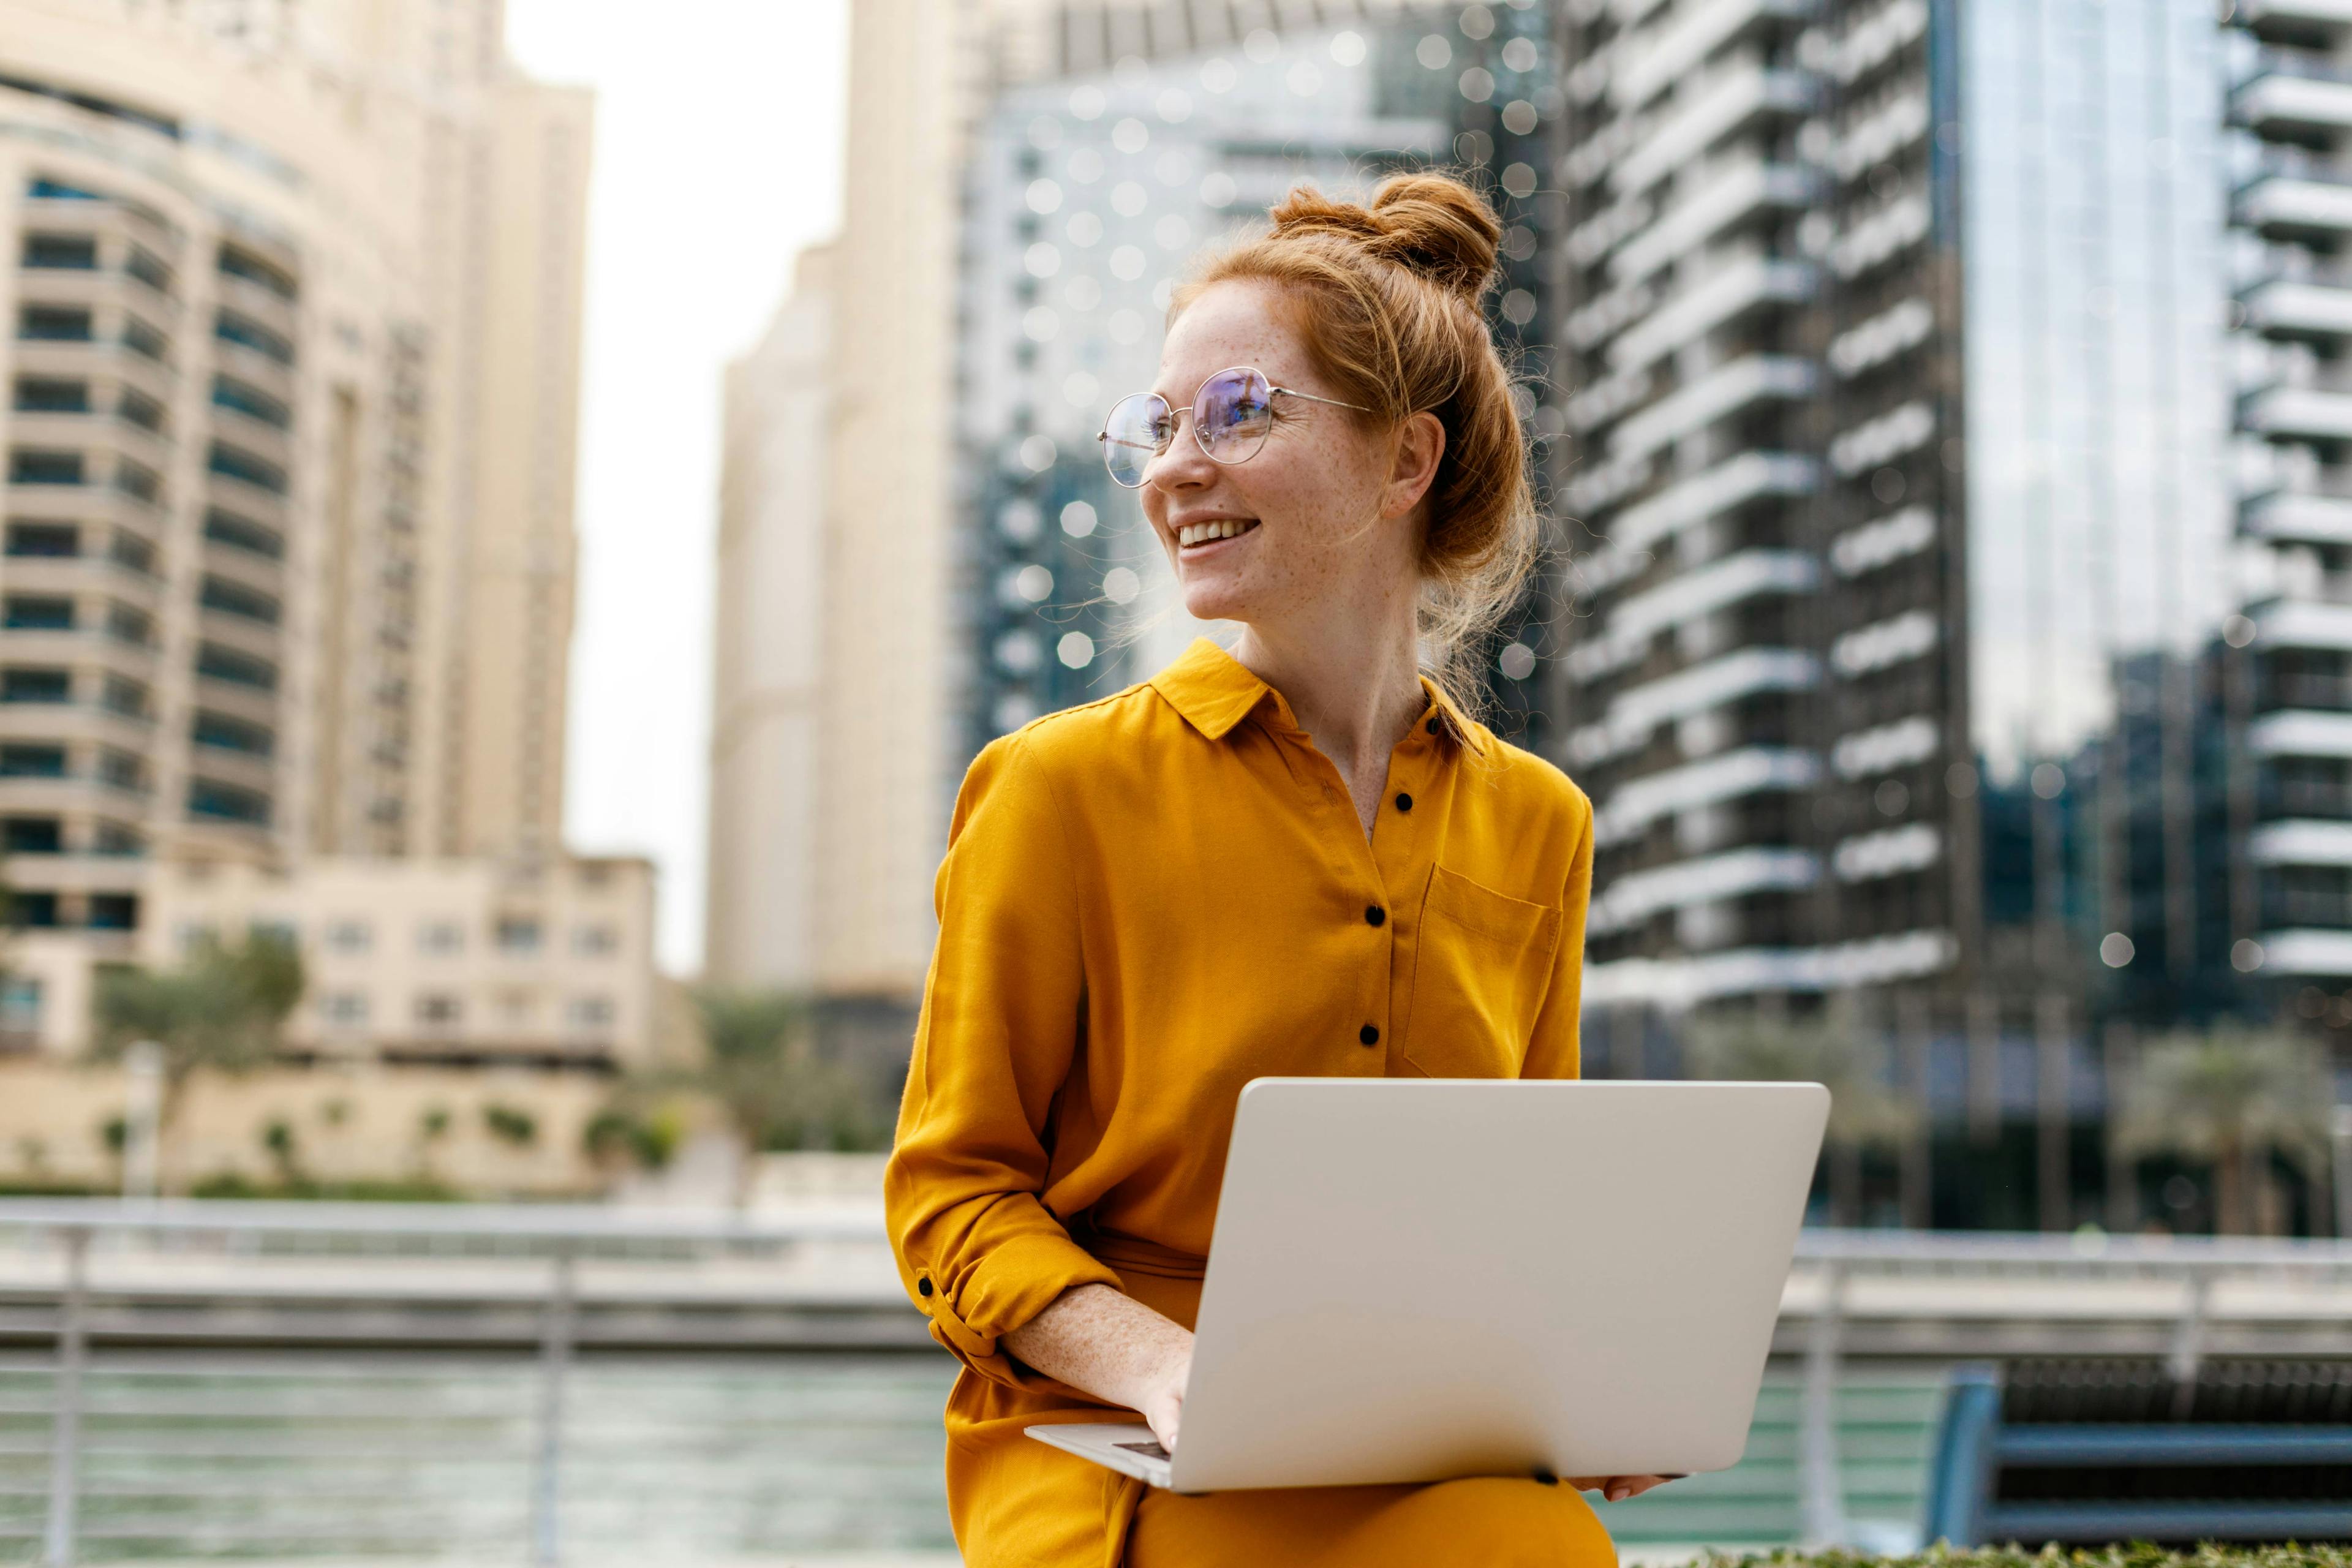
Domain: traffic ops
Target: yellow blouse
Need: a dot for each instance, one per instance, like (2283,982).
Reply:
(1146,902)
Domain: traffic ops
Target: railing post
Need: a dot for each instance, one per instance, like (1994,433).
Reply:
(554,1362)
(66,1400)
(1823,1499)
(2188,1342)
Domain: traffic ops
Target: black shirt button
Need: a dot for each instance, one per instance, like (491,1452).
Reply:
(922,1286)
(1404,803)
(1369,1033)
(1374,915)
(1432,726)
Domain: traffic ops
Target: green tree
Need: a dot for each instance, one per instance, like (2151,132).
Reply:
(1866,1112)
(2231,1097)
(762,1066)
(222,1010)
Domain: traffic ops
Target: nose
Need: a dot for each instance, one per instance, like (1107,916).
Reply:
(1183,465)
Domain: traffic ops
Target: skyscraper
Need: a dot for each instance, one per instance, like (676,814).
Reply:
(293,372)
(1946,641)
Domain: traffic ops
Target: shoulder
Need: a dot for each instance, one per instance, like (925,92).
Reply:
(1527,786)
(1094,735)
(1056,751)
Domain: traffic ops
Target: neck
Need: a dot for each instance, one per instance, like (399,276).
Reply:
(1351,678)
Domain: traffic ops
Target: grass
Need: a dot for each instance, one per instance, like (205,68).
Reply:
(2137,1556)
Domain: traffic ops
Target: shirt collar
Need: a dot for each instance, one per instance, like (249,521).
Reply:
(1215,691)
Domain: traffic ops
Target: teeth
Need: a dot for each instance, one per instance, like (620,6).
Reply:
(1201,532)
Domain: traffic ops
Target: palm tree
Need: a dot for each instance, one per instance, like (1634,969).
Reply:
(1864,1112)
(2230,1096)
(222,1010)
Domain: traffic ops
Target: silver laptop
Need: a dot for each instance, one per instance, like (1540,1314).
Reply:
(1416,1279)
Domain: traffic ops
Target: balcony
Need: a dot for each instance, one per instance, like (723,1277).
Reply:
(96,359)
(1736,99)
(2293,94)
(1650,61)
(2294,309)
(2301,21)
(75,721)
(2301,732)
(2301,623)
(242,632)
(2295,194)
(1632,808)
(1738,288)
(2297,413)
(2300,841)
(1720,205)
(97,649)
(1633,896)
(249,703)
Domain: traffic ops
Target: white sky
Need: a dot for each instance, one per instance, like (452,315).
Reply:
(719,139)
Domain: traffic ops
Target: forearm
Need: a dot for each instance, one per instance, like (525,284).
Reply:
(1104,1342)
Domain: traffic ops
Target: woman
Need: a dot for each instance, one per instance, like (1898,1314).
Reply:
(1301,856)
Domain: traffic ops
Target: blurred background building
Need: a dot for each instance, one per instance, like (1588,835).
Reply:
(294,301)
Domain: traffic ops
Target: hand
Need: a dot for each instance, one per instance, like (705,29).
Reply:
(1160,1397)
(1617,1488)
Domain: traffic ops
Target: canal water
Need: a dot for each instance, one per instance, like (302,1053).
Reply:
(377,1455)
(691,1460)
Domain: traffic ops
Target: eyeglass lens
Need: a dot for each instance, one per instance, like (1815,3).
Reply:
(1231,415)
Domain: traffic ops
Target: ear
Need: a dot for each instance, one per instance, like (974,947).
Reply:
(1412,469)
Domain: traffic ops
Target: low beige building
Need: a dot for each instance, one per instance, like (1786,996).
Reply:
(440,962)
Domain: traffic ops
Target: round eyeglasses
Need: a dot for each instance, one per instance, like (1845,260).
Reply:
(1231,415)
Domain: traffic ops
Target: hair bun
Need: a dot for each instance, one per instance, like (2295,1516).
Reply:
(1430,224)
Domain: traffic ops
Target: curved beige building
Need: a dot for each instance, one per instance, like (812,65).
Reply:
(293,297)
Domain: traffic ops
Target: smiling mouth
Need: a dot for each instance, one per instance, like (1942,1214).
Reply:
(1198,533)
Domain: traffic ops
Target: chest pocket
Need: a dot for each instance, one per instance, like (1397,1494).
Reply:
(1479,977)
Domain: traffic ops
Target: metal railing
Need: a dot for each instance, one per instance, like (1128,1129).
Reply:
(552,1281)
(542,1250)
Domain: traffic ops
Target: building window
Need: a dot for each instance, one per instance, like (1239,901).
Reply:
(143,265)
(26,612)
(441,936)
(590,1012)
(36,686)
(350,936)
(36,910)
(20,1005)
(243,533)
(344,1007)
(212,801)
(143,340)
(70,252)
(141,410)
(137,481)
(43,396)
(114,912)
(123,770)
(237,463)
(237,667)
(517,934)
(230,734)
(236,599)
(250,401)
(436,1007)
(44,539)
(124,696)
(53,324)
(114,838)
(25,761)
(594,941)
(244,264)
(31,835)
(274,928)
(30,467)
(44,189)
(133,552)
(248,334)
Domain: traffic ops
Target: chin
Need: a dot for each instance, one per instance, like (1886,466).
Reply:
(1215,602)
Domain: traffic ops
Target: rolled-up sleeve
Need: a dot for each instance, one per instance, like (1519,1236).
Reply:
(1554,1049)
(977,1248)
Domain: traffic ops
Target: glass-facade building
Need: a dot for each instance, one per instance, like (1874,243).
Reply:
(1088,188)
(1955,639)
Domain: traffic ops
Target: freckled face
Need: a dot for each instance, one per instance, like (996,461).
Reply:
(1308,504)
